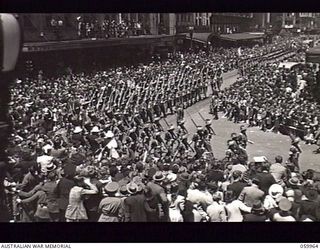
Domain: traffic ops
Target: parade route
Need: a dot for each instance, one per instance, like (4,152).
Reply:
(268,144)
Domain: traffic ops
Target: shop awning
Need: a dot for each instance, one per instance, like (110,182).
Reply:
(242,36)
(199,37)
(314,51)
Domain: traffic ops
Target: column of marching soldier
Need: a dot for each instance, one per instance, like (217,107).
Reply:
(88,119)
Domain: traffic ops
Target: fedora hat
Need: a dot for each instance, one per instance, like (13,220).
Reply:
(158,176)
(275,191)
(150,173)
(112,187)
(50,167)
(171,177)
(95,129)
(294,181)
(285,205)
(109,134)
(77,130)
(132,188)
(185,176)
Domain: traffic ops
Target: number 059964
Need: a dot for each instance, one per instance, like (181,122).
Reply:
(310,246)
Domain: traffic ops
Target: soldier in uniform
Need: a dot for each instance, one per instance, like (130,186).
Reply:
(156,107)
(157,124)
(209,128)
(180,112)
(170,102)
(243,139)
(181,127)
(163,106)
(149,111)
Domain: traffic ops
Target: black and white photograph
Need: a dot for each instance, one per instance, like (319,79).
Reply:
(160,117)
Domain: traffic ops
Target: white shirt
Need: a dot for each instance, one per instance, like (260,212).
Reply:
(234,211)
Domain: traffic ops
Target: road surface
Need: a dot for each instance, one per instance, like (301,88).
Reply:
(266,144)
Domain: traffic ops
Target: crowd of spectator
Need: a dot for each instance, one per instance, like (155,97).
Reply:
(109,28)
(90,147)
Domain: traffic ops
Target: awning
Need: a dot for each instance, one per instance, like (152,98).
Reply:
(199,37)
(242,36)
(288,65)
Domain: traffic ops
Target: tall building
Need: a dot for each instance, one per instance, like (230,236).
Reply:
(226,23)
(306,21)
(214,22)
(261,20)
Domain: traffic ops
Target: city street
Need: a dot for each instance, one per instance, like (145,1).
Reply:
(268,144)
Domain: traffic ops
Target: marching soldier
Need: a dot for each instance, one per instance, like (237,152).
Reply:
(180,112)
(209,128)
(181,127)
(163,106)
(170,103)
(157,124)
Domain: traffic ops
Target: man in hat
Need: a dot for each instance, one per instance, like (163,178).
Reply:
(158,191)
(284,214)
(258,213)
(134,205)
(93,138)
(111,207)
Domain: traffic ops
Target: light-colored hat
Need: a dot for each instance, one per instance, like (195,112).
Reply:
(109,134)
(275,191)
(46,148)
(171,177)
(95,129)
(77,130)
(132,188)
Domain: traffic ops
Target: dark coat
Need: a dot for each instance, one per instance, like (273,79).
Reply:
(63,190)
(134,208)
(236,187)
(255,217)
(266,180)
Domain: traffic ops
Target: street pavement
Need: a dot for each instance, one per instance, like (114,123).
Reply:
(267,144)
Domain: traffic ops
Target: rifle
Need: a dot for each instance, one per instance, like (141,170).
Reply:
(100,98)
(194,123)
(204,121)
(201,116)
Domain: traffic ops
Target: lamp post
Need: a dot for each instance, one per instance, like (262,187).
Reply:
(191,28)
